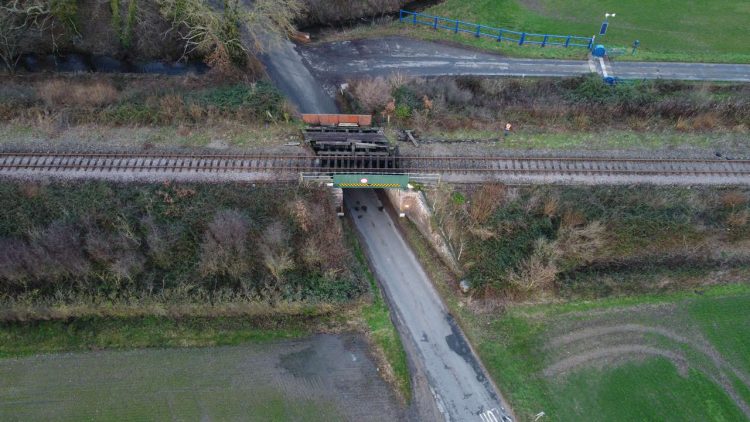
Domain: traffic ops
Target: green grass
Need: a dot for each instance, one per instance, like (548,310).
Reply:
(191,384)
(23,339)
(382,331)
(668,30)
(725,323)
(230,134)
(651,389)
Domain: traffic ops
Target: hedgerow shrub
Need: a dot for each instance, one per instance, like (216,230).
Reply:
(111,100)
(579,103)
(545,240)
(100,242)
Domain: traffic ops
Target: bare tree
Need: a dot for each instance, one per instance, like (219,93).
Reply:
(224,246)
(218,34)
(262,18)
(17,19)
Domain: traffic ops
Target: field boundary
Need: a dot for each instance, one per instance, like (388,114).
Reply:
(499,34)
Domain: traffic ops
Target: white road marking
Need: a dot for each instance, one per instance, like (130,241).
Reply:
(604,67)
(592,66)
(489,416)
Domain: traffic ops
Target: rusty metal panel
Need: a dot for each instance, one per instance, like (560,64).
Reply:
(337,119)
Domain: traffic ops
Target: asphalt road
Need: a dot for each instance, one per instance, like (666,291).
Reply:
(684,71)
(459,384)
(292,77)
(336,61)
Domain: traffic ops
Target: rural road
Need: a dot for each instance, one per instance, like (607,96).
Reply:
(292,77)
(336,61)
(458,382)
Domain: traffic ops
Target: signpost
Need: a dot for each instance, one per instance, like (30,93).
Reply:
(605,24)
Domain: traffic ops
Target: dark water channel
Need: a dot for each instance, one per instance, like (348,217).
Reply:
(76,62)
(412,6)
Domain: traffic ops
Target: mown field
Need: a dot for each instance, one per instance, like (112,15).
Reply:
(668,30)
(667,358)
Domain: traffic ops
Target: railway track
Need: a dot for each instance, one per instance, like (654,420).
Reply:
(455,169)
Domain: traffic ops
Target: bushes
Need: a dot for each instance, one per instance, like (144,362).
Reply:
(79,243)
(110,100)
(526,242)
(57,93)
(223,250)
(260,99)
(579,103)
(373,94)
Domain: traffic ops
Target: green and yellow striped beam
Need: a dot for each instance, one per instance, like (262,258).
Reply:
(371,181)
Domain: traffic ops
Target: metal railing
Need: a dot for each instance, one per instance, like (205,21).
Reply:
(499,34)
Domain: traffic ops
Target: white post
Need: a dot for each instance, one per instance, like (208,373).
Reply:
(401,212)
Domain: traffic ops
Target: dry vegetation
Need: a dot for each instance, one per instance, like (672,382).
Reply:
(70,250)
(551,241)
(578,104)
(58,102)
(224,34)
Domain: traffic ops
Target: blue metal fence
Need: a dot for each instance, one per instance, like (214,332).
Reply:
(499,34)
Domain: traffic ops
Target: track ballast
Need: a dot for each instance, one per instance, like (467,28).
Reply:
(466,169)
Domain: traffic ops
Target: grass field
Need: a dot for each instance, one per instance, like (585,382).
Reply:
(668,30)
(625,354)
(318,378)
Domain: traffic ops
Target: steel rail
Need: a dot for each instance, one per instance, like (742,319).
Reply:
(243,156)
(177,163)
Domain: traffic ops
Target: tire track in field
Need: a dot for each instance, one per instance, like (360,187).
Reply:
(721,364)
